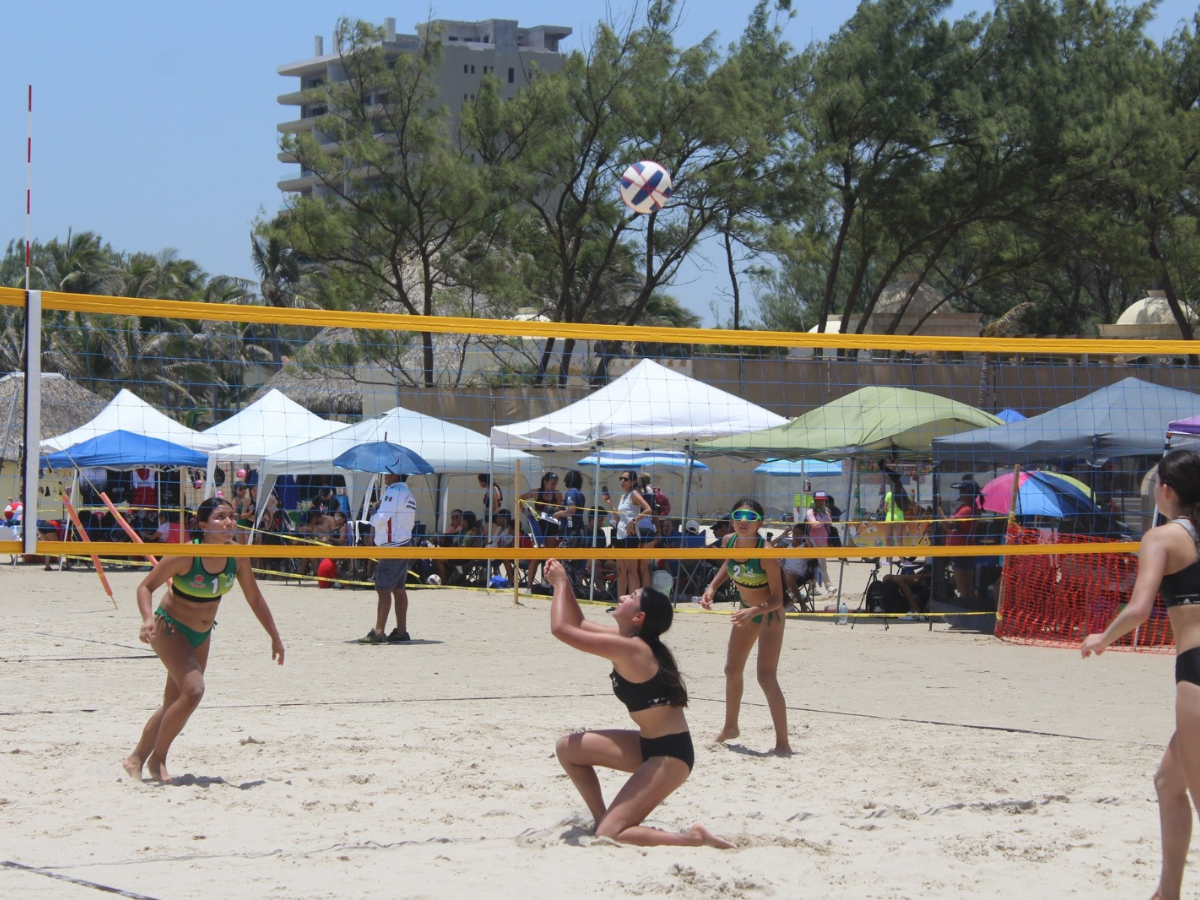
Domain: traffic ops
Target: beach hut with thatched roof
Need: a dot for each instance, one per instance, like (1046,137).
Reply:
(65,406)
(331,394)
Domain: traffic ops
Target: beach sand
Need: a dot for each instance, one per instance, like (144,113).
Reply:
(928,764)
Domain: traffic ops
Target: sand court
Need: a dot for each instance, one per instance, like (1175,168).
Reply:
(928,764)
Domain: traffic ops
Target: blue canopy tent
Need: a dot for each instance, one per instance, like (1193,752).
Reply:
(1010,415)
(123,450)
(1123,419)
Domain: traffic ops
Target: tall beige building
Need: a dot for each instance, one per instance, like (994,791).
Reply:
(472,50)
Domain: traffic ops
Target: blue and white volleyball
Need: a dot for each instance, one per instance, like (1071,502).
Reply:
(645,187)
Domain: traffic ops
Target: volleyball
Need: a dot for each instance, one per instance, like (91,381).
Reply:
(645,187)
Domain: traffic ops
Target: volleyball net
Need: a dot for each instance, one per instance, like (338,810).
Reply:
(902,441)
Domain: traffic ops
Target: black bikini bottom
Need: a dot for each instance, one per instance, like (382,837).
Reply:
(1187,666)
(678,746)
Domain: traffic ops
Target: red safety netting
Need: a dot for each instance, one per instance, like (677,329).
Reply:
(1056,599)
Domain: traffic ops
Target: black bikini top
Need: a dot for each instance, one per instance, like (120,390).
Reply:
(639,695)
(1182,588)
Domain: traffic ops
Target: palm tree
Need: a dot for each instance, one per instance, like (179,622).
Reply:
(280,271)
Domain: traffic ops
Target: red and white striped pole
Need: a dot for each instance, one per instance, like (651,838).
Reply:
(29,191)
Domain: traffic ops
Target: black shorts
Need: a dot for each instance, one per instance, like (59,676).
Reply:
(677,746)
(621,543)
(1187,666)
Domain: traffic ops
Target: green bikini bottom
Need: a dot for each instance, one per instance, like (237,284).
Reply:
(194,637)
(773,616)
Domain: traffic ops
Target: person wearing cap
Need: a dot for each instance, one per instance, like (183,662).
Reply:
(818,521)
(960,531)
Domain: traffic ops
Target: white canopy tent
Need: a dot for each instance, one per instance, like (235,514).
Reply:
(268,426)
(451,449)
(129,412)
(649,407)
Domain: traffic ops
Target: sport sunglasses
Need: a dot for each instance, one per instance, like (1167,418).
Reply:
(745,515)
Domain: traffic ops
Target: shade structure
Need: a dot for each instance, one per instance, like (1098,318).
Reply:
(1123,419)
(383,456)
(268,425)
(451,450)
(129,412)
(792,467)
(650,406)
(1011,415)
(1038,494)
(871,420)
(639,459)
(123,450)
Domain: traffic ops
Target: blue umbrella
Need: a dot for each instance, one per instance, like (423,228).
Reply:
(383,456)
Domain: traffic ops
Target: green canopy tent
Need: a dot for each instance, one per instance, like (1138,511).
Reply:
(872,422)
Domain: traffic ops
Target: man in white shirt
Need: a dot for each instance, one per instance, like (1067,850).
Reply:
(392,526)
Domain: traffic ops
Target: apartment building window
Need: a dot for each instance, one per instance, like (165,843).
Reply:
(464,68)
(512,75)
(472,70)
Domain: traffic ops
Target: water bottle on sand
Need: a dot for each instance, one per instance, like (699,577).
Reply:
(843,617)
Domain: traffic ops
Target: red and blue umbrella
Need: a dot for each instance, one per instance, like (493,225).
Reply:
(1038,494)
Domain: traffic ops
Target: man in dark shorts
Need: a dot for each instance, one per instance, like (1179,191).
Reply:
(392,526)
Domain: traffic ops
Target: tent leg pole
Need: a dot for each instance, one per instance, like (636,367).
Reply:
(595,523)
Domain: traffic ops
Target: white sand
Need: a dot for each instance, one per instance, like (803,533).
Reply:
(939,764)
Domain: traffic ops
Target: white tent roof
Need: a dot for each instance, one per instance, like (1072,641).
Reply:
(270,425)
(449,448)
(648,406)
(129,412)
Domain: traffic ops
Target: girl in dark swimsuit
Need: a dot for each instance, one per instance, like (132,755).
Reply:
(179,630)
(760,620)
(1169,561)
(646,679)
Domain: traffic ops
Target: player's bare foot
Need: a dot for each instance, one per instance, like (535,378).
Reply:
(158,771)
(133,767)
(708,839)
(785,750)
(727,734)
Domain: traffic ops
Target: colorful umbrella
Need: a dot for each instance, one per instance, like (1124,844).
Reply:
(1039,494)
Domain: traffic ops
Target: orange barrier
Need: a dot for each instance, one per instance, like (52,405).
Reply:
(95,559)
(133,535)
(1058,599)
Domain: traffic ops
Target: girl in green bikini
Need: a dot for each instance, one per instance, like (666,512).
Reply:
(180,628)
(760,587)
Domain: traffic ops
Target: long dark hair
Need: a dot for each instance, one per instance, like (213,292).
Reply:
(658,615)
(573,479)
(1180,470)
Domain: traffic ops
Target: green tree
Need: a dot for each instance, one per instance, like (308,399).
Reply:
(400,200)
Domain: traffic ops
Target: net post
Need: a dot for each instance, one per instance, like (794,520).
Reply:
(33,418)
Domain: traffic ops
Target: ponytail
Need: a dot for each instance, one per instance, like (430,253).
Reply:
(658,614)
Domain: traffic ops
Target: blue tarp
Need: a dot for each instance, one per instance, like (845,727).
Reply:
(799,467)
(123,450)
(640,459)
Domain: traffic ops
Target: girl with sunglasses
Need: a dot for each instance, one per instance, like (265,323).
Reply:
(760,619)
(629,509)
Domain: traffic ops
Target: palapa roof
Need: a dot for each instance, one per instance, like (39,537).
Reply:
(329,393)
(65,406)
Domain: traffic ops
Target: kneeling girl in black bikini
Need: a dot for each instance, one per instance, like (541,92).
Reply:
(646,679)
(1169,563)
(179,630)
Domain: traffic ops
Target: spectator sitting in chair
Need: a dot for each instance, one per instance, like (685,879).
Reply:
(909,581)
(316,529)
(796,570)
(720,530)
(449,537)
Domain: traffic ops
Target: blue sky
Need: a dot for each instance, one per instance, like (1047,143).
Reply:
(154,120)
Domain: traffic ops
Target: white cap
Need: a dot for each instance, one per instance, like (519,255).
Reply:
(692,527)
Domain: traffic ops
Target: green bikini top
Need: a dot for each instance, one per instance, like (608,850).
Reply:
(749,573)
(203,586)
